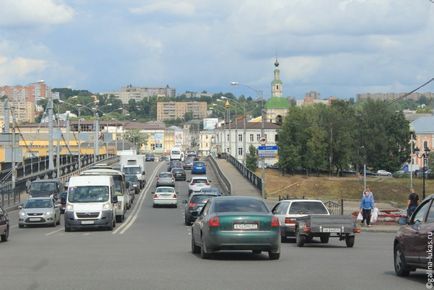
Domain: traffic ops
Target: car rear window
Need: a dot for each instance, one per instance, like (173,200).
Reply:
(240,205)
(165,175)
(305,207)
(201,198)
(199,164)
(200,181)
(164,189)
(178,170)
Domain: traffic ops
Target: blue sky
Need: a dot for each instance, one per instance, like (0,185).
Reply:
(335,47)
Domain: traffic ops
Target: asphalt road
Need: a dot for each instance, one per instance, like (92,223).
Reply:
(151,250)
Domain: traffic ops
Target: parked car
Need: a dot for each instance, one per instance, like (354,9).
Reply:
(236,223)
(149,157)
(164,195)
(413,238)
(179,174)
(383,173)
(188,163)
(165,179)
(289,210)
(194,205)
(4,225)
(199,167)
(211,189)
(134,182)
(39,210)
(197,183)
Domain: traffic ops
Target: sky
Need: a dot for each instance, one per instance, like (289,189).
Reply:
(335,47)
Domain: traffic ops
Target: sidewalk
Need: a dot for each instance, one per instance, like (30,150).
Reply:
(381,228)
(239,185)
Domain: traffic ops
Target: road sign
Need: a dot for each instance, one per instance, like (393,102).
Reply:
(268,151)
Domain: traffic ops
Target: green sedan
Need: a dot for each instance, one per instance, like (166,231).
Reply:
(236,223)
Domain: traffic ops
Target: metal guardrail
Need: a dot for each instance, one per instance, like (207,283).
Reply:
(220,175)
(249,175)
(11,198)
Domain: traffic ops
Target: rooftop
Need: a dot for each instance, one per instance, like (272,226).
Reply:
(424,125)
(277,103)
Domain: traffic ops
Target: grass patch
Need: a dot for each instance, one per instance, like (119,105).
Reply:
(385,189)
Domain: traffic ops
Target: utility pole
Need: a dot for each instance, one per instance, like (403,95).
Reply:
(96,145)
(79,140)
(14,170)
(6,114)
(50,133)
(58,163)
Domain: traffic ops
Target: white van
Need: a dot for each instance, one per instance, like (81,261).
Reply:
(176,154)
(125,199)
(90,203)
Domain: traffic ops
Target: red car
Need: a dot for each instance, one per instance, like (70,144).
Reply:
(413,243)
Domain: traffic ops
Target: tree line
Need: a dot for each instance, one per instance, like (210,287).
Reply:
(343,136)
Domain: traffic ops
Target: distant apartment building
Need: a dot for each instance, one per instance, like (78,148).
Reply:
(313,97)
(139,93)
(23,100)
(175,110)
(392,96)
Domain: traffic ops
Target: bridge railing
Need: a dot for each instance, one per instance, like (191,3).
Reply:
(247,173)
(220,175)
(68,166)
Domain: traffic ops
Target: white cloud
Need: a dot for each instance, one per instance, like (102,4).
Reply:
(19,69)
(184,8)
(23,13)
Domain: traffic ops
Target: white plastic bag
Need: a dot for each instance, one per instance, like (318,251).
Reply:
(374,216)
(359,216)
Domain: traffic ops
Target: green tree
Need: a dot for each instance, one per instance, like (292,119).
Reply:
(188,116)
(136,137)
(252,159)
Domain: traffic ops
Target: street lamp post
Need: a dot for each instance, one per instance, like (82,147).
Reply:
(411,142)
(424,156)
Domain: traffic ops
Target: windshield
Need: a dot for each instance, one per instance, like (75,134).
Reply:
(200,198)
(38,203)
(194,181)
(131,178)
(199,164)
(43,187)
(240,205)
(117,179)
(178,170)
(307,208)
(176,152)
(88,194)
(132,170)
(165,175)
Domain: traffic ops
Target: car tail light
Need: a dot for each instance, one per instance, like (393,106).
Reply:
(155,196)
(192,204)
(275,222)
(289,221)
(174,195)
(214,222)
(306,229)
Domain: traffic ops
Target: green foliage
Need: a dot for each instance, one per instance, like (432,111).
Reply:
(136,137)
(252,159)
(336,137)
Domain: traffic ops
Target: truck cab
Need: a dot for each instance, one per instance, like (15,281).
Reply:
(137,170)
(90,203)
(46,188)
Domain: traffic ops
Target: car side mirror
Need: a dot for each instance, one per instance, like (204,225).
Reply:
(114,199)
(143,173)
(20,207)
(403,220)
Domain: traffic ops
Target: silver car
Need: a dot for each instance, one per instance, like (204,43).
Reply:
(165,179)
(39,211)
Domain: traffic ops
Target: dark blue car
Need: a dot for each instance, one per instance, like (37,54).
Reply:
(199,167)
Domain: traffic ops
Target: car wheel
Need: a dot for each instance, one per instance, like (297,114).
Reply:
(324,239)
(194,248)
(20,226)
(5,235)
(256,252)
(67,228)
(203,251)
(54,223)
(401,268)
(349,241)
(300,239)
(274,255)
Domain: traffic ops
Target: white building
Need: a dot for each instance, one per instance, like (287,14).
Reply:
(207,143)
(236,140)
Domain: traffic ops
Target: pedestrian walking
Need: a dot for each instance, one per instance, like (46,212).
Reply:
(367,204)
(413,202)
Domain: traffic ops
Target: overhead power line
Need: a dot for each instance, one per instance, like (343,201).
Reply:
(415,90)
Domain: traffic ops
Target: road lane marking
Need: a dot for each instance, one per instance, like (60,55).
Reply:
(53,232)
(137,206)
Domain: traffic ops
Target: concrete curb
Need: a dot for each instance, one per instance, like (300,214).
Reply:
(373,229)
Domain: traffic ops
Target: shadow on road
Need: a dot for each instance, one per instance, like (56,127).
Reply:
(418,276)
(238,256)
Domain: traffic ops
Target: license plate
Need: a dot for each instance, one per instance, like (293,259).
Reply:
(35,219)
(87,222)
(331,230)
(245,226)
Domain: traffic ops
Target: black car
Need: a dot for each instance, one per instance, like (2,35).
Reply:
(150,158)
(134,182)
(194,205)
(4,225)
(174,164)
(179,174)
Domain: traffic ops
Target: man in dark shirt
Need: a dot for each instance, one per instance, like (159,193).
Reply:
(413,201)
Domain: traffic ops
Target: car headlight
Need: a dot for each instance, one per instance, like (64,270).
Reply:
(48,213)
(22,213)
(107,206)
(69,207)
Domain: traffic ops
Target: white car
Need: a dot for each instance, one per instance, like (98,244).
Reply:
(289,210)
(383,173)
(164,195)
(197,183)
